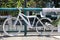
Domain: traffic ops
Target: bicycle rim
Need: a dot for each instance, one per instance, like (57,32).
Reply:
(42,28)
(48,26)
(39,26)
(9,28)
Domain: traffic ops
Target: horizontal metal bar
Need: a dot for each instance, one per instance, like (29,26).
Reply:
(32,9)
(27,9)
(8,9)
(51,9)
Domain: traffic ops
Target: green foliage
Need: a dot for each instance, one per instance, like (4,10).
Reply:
(31,3)
(20,3)
(10,4)
(41,4)
(56,22)
(36,3)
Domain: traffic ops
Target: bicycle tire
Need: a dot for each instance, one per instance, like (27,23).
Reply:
(38,28)
(8,25)
(48,26)
(43,25)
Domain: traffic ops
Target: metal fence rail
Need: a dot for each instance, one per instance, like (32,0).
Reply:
(30,9)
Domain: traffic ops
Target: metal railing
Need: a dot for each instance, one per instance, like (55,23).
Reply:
(30,9)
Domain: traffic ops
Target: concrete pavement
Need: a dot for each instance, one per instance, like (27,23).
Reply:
(29,38)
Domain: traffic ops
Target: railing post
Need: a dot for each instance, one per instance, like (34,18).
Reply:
(25,25)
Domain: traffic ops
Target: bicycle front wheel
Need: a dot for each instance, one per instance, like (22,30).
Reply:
(9,28)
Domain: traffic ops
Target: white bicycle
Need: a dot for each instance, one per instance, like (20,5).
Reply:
(15,23)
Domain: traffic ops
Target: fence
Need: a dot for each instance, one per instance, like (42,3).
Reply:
(31,9)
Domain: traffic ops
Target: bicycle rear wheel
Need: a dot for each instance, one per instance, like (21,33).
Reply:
(39,26)
(9,28)
(44,26)
(48,24)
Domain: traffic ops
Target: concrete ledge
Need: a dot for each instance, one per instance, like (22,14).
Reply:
(29,38)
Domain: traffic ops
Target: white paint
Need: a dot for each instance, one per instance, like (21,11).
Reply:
(51,9)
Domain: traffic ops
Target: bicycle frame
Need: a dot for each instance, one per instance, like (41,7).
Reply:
(25,20)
